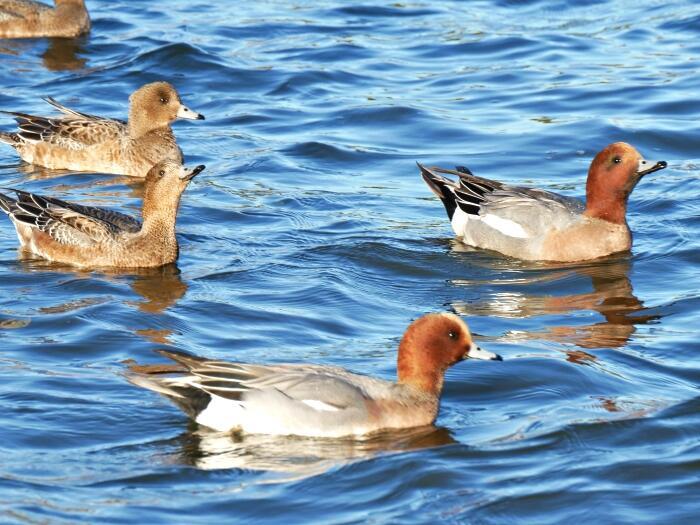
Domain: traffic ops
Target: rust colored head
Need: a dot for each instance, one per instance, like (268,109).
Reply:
(613,174)
(430,346)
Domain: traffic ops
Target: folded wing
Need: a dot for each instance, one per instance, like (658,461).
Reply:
(74,130)
(67,223)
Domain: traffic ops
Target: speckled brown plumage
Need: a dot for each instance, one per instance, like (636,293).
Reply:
(96,237)
(82,142)
(29,19)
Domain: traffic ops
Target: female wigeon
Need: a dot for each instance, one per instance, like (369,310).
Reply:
(82,142)
(317,400)
(29,19)
(535,224)
(96,237)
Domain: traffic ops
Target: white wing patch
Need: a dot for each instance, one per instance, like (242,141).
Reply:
(505,226)
(221,414)
(459,222)
(319,405)
(460,225)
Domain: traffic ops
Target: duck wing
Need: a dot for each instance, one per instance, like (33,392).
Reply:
(67,223)
(74,130)
(13,10)
(321,387)
(513,210)
(298,387)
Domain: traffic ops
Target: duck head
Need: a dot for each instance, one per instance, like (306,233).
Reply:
(164,185)
(154,106)
(430,345)
(613,174)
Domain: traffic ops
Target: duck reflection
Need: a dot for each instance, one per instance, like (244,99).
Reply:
(63,54)
(297,457)
(34,172)
(160,288)
(612,297)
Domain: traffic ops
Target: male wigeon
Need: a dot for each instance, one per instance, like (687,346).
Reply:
(82,142)
(97,237)
(535,224)
(317,400)
(29,19)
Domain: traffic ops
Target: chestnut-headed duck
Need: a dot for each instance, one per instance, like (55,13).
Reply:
(97,237)
(535,224)
(29,19)
(81,142)
(317,400)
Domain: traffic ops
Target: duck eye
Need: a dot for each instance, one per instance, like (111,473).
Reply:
(161,172)
(453,335)
(163,100)
(617,160)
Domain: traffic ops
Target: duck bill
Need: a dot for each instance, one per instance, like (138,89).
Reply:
(476,352)
(190,173)
(649,166)
(187,113)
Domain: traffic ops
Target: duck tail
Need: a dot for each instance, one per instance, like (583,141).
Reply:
(171,381)
(191,400)
(9,138)
(7,204)
(442,187)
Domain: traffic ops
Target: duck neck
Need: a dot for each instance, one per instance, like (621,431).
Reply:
(419,375)
(141,123)
(610,206)
(159,221)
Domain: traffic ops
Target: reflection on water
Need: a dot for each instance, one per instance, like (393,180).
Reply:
(160,288)
(318,241)
(297,457)
(612,297)
(62,54)
(33,172)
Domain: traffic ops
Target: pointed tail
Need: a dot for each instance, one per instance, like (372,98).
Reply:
(9,138)
(442,187)
(172,381)
(7,204)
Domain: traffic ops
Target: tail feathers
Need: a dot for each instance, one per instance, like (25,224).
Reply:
(9,138)
(190,392)
(67,111)
(190,399)
(442,187)
(7,204)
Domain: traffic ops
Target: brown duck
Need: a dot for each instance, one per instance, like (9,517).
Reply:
(29,19)
(97,237)
(81,142)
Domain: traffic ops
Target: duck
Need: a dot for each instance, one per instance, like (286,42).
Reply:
(316,400)
(81,142)
(87,236)
(538,225)
(30,19)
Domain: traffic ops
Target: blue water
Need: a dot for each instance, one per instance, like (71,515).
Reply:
(310,237)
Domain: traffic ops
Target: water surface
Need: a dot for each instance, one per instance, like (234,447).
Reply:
(310,237)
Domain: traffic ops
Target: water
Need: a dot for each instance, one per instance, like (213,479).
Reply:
(310,237)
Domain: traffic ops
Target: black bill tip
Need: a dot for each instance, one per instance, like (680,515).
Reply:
(656,167)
